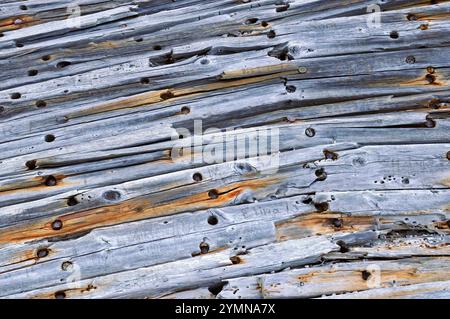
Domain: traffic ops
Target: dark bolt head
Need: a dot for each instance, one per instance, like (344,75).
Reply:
(60,295)
(41,253)
(57,224)
(411,17)
(213,194)
(185,110)
(31,164)
(321,174)
(67,265)
(213,220)
(410,59)
(197,177)
(310,132)
(204,248)
(51,181)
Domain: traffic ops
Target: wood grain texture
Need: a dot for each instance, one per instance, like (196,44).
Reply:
(103,196)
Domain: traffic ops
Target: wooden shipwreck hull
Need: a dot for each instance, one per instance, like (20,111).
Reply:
(102,195)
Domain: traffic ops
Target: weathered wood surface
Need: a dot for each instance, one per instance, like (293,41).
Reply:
(100,198)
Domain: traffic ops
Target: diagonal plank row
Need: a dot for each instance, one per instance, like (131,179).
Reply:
(103,196)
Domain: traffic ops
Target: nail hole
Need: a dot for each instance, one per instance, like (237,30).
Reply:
(411,17)
(166,95)
(410,59)
(145,80)
(49,138)
(271,34)
(336,222)
(46,57)
(213,220)
(216,289)
(291,89)
(157,47)
(394,35)
(430,123)
(57,224)
(51,181)
(60,295)
(41,104)
(343,246)
(139,39)
(185,110)
(33,72)
(31,164)
(282,8)
(19,45)
(430,78)
(321,207)
(197,177)
(41,253)
(365,275)
(265,24)
(15,96)
(23,7)
(448,156)
(72,201)
(111,195)
(310,132)
(204,61)
(63,64)
(251,21)
(235,260)
(213,194)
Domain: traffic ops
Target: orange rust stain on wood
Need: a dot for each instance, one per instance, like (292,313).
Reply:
(356,280)
(34,184)
(27,255)
(320,223)
(431,17)
(131,210)
(433,79)
(68,293)
(18,22)
(173,94)
(446,180)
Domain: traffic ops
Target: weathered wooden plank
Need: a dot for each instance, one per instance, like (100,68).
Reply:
(339,278)
(205,270)
(100,198)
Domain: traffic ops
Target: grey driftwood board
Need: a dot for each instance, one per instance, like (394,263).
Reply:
(346,196)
